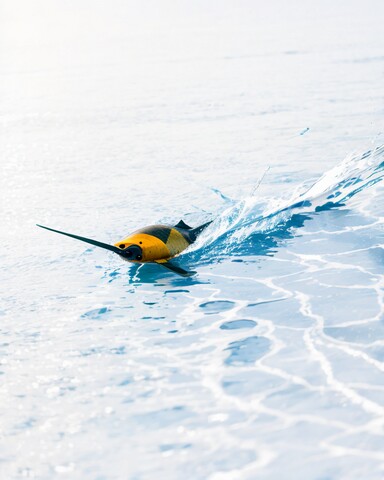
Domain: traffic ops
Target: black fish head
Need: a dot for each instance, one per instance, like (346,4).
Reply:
(131,252)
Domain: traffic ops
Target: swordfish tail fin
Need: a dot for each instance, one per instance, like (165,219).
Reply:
(195,232)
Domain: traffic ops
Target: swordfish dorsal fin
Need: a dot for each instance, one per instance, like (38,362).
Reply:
(182,224)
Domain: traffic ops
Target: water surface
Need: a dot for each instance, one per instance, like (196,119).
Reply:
(267,118)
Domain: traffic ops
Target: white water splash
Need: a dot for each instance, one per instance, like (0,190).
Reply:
(255,215)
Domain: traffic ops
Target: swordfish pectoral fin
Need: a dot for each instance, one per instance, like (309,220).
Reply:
(175,268)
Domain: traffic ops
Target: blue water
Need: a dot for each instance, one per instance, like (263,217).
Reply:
(268,120)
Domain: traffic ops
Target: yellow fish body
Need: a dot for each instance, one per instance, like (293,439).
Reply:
(155,243)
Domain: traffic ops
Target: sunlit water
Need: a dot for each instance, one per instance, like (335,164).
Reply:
(267,119)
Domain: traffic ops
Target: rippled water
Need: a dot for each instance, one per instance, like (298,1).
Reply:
(266,118)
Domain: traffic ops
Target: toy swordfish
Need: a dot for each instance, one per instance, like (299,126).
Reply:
(153,244)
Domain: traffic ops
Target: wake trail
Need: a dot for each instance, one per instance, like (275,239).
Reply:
(251,221)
